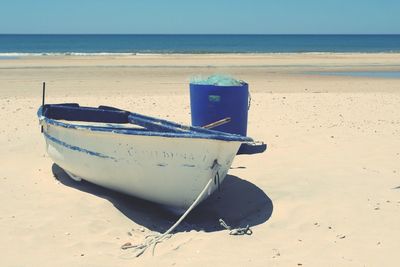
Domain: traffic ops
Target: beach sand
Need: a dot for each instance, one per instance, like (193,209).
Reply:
(325,193)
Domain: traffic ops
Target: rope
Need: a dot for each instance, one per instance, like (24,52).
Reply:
(236,231)
(153,240)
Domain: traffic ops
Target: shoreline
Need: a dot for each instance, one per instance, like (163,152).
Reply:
(209,60)
(122,54)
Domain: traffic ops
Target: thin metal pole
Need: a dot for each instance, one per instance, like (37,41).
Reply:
(43,93)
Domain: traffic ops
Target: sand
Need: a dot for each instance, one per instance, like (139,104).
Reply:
(325,193)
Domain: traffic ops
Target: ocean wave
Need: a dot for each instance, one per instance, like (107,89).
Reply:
(22,54)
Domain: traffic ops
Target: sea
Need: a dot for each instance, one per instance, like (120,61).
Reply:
(14,45)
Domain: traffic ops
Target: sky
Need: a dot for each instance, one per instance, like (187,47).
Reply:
(200,16)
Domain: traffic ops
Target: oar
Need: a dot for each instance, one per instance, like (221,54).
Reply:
(217,123)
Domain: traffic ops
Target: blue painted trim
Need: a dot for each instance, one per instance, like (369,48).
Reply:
(153,127)
(76,148)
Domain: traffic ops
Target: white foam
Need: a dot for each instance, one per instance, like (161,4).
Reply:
(18,54)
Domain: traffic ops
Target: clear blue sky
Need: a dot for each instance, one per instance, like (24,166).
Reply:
(200,16)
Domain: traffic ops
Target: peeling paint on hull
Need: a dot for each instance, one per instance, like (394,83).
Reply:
(153,168)
(75,148)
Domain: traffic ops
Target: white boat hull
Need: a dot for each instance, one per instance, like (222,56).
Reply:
(168,170)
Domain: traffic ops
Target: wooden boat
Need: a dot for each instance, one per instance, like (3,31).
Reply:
(153,159)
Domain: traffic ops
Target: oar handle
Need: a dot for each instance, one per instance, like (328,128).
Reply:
(217,123)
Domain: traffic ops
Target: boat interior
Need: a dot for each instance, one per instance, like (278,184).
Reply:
(106,118)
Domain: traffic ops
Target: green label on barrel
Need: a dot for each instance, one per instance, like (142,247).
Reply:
(214,98)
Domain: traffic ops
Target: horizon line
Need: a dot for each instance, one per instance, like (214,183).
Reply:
(199,33)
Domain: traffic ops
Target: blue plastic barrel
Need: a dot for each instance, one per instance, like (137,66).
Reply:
(210,103)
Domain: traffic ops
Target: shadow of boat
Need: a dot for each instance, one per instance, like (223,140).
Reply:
(238,203)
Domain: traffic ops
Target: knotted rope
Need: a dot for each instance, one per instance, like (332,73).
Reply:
(236,231)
